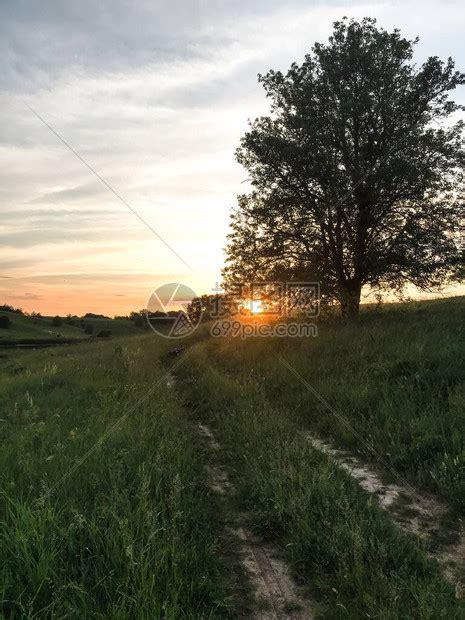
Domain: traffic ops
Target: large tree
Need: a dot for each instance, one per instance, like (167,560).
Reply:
(357,174)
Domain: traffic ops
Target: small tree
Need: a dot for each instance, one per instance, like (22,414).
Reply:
(70,320)
(353,181)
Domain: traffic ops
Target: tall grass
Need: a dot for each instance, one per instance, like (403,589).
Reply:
(333,533)
(397,377)
(131,532)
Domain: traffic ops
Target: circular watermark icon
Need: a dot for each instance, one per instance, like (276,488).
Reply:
(173,311)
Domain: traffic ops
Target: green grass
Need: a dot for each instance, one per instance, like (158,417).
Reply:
(339,543)
(39,328)
(397,377)
(25,327)
(334,535)
(118,327)
(132,530)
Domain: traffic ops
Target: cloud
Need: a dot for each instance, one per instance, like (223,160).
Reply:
(25,296)
(54,214)
(43,41)
(70,194)
(155,97)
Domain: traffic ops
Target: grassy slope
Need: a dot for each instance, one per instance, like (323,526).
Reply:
(398,377)
(130,531)
(41,328)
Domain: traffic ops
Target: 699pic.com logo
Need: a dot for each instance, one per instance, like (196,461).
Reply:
(171,311)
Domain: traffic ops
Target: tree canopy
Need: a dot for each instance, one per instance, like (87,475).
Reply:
(357,173)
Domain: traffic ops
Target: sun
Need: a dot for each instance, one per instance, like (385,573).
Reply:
(252,306)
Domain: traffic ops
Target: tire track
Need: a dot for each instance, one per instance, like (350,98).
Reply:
(422,514)
(277,596)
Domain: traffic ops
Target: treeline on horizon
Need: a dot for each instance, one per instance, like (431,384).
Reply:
(138,318)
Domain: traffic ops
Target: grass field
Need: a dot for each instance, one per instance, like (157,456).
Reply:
(130,532)
(397,378)
(135,529)
(41,328)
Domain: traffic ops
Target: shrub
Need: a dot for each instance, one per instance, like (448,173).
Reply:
(89,329)
(139,321)
(92,315)
(8,308)
(5,321)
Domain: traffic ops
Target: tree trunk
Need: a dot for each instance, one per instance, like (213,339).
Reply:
(350,302)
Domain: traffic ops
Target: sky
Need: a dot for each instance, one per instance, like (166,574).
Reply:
(154,97)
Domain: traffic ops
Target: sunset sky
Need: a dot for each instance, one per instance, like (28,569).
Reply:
(155,97)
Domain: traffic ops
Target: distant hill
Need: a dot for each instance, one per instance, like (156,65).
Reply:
(24,327)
